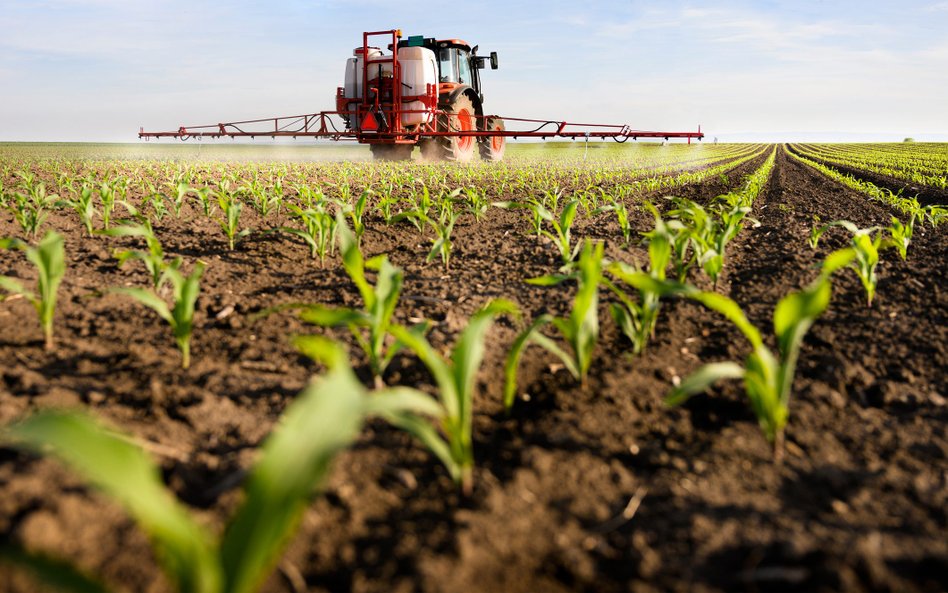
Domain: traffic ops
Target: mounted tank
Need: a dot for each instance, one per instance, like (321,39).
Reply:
(419,69)
(352,86)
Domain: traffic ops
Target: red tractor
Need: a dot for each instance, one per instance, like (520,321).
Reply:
(423,93)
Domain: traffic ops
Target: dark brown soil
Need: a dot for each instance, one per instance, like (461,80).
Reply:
(595,489)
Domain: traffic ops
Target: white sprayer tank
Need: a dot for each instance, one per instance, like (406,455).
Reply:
(419,69)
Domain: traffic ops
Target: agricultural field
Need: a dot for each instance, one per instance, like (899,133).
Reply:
(607,368)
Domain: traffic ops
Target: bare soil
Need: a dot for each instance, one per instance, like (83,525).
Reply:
(596,489)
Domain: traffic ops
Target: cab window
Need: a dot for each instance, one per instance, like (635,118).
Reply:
(464,68)
(447,63)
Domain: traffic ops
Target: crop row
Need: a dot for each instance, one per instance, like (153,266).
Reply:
(933,213)
(906,162)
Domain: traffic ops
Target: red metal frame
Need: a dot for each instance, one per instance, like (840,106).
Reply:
(386,98)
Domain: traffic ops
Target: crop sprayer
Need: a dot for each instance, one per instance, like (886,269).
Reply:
(426,92)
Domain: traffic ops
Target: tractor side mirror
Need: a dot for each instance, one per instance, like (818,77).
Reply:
(493,60)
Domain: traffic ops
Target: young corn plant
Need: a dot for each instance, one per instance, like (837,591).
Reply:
(476,203)
(637,319)
(443,226)
(179,197)
(294,461)
(107,199)
(622,217)
(451,439)
(84,205)
(203,196)
(767,376)
(561,235)
(900,235)
(319,229)
(356,211)
(31,209)
(231,206)
(866,249)
(153,259)
(379,303)
(580,330)
(49,257)
(180,316)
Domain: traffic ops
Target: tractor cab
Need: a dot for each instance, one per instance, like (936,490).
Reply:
(458,63)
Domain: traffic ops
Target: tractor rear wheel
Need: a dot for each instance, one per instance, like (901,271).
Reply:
(391,152)
(460,117)
(492,147)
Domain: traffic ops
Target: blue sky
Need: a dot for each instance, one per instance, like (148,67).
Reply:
(96,70)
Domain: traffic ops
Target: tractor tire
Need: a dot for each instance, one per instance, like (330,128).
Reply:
(461,116)
(391,152)
(492,148)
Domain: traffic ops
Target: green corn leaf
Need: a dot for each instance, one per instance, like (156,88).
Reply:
(353,261)
(512,362)
(295,460)
(837,260)
(469,351)
(548,280)
(403,399)
(124,472)
(703,378)
(333,316)
(149,299)
(430,437)
(799,309)
(553,348)
(442,374)
(14,286)
(731,310)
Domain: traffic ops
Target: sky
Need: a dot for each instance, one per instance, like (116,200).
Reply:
(771,70)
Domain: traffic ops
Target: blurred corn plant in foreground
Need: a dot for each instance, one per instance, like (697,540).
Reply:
(293,462)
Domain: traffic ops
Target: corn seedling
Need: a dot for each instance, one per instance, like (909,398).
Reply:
(319,229)
(476,203)
(107,200)
(768,377)
(49,257)
(31,209)
(866,249)
(181,314)
(562,225)
(443,226)
(355,211)
(231,206)
(451,441)
(294,461)
(935,214)
(580,330)
(153,259)
(181,190)
(901,234)
(84,205)
(379,303)
(203,196)
(637,319)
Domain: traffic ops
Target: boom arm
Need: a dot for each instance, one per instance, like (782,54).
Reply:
(329,124)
